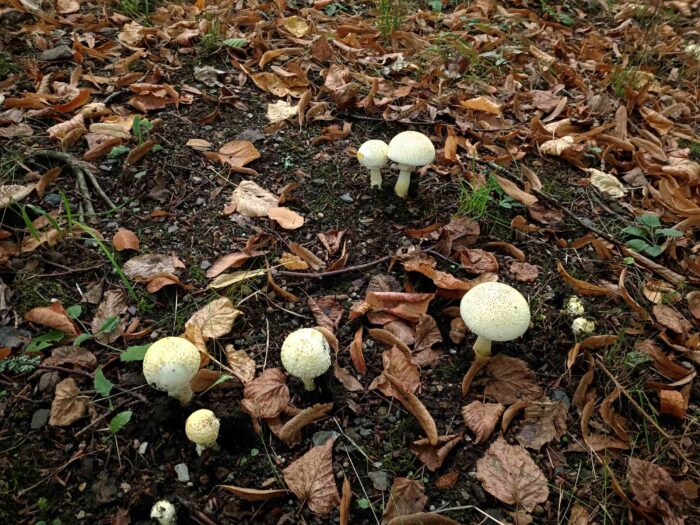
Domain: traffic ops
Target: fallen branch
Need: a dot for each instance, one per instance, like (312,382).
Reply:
(650,265)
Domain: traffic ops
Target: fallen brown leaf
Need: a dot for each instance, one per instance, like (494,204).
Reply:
(125,240)
(232,260)
(113,304)
(458,330)
(422,518)
(509,473)
(482,418)
(477,261)
(543,422)
(673,403)
(654,488)
(327,311)
(407,497)
(240,363)
(414,406)
(510,380)
(582,287)
(290,433)
(144,268)
(524,272)
(356,353)
(388,338)
(215,319)
(670,318)
(250,200)
(307,255)
(267,395)
(54,316)
(693,299)
(311,479)
(255,494)
(68,405)
(346,378)
(400,366)
(286,218)
(71,355)
(427,335)
(433,456)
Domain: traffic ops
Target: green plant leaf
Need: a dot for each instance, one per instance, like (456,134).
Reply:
(628,260)
(653,251)
(119,421)
(236,43)
(669,232)
(81,339)
(103,386)
(650,220)
(110,324)
(134,353)
(74,311)
(634,358)
(44,341)
(254,452)
(638,245)
(635,231)
(222,378)
(363,503)
(118,151)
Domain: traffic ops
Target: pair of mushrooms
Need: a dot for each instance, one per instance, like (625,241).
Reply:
(408,149)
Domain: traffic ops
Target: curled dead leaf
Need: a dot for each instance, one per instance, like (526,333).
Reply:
(311,479)
(413,405)
(482,418)
(68,405)
(125,240)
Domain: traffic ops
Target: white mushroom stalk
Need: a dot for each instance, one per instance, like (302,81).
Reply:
(170,364)
(164,512)
(373,155)
(494,312)
(409,150)
(202,428)
(306,355)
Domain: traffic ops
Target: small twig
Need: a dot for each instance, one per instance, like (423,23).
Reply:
(101,418)
(99,189)
(331,273)
(114,95)
(67,272)
(88,375)
(84,192)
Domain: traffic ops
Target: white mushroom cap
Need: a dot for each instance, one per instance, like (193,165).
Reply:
(373,154)
(574,307)
(410,148)
(306,355)
(582,326)
(202,428)
(495,312)
(10,193)
(164,512)
(169,365)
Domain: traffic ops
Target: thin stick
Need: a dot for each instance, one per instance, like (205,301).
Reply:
(331,273)
(99,189)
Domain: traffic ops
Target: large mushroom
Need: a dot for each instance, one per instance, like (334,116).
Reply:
(306,355)
(373,155)
(170,364)
(409,149)
(494,312)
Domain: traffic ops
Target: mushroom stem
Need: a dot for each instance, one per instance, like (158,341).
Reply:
(482,347)
(183,394)
(375,179)
(404,180)
(309,384)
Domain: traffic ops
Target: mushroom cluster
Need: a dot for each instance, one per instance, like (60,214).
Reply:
(408,149)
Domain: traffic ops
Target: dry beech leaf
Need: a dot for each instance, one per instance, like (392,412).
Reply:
(68,405)
(307,255)
(458,330)
(267,395)
(693,299)
(510,249)
(346,378)
(482,418)
(408,306)
(113,304)
(433,456)
(510,380)
(556,146)
(199,144)
(290,433)
(579,515)
(293,262)
(427,335)
(477,261)
(524,272)
(673,403)
(240,363)
(255,494)
(388,338)
(422,518)
(54,316)
(250,200)
(238,153)
(582,287)
(215,319)
(357,355)
(144,268)
(125,240)
(311,479)
(401,366)
(512,190)
(447,480)
(653,487)
(481,104)
(232,260)
(327,311)
(286,218)
(407,497)
(205,378)
(543,422)
(71,355)
(509,473)
(413,405)
(670,318)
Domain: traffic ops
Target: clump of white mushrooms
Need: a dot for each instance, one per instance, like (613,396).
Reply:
(202,428)
(494,312)
(408,149)
(170,364)
(306,355)
(164,512)
(582,326)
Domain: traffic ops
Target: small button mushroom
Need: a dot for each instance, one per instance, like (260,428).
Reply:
(202,428)
(582,326)
(494,312)
(574,307)
(306,355)
(373,155)
(164,512)
(170,364)
(409,149)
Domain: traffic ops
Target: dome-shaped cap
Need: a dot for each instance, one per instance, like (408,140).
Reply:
(411,148)
(170,360)
(306,354)
(373,154)
(202,427)
(495,311)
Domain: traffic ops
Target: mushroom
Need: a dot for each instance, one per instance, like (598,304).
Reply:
(372,155)
(10,193)
(202,428)
(573,306)
(409,149)
(582,326)
(164,512)
(169,365)
(494,312)
(306,355)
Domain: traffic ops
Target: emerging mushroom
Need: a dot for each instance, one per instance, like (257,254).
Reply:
(164,512)
(169,365)
(582,326)
(306,355)
(202,428)
(409,149)
(574,307)
(372,155)
(494,312)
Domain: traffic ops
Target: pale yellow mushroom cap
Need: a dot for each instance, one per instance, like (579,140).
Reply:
(202,428)
(169,365)
(306,355)
(411,148)
(495,311)
(373,154)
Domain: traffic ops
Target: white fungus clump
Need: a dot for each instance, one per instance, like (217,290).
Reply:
(170,364)
(582,326)
(373,155)
(202,428)
(164,512)
(573,307)
(409,149)
(494,312)
(306,355)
